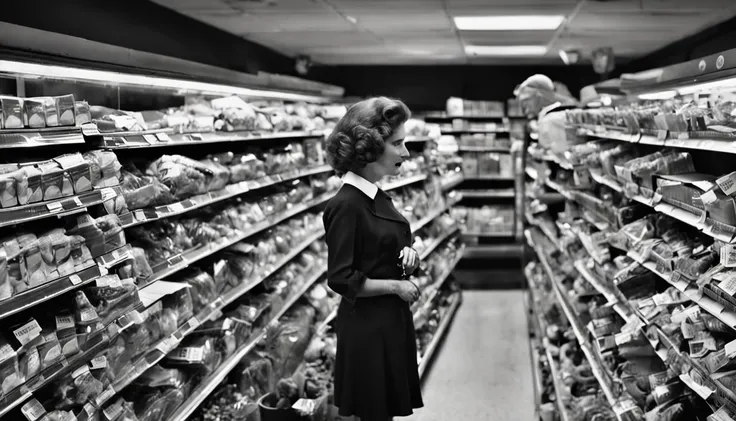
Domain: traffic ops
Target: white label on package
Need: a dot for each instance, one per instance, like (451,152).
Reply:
(708,197)
(99,362)
(64,322)
(189,354)
(728,255)
(727,183)
(54,207)
(90,129)
(27,332)
(80,371)
(113,411)
(163,137)
(731,349)
(728,286)
(662,299)
(150,138)
(105,396)
(75,279)
(622,338)
(88,314)
(720,415)
(33,410)
(167,344)
(176,207)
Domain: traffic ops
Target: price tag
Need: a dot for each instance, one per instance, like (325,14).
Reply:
(659,379)
(89,409)
(75,279)
(90,129)
(78,202)
(113,411)
(108,193)
(27,332)
(105,396)
(150,139)
(33,410)
(727,183)
(697,348)
(192,323)
(720,415)
(80,371)
(728,256)
(54,207)
(188,354)
(215,315)
(708,197)
(98,363)
(167,344)
(163,137)
(64,322)
(196,136)
(731,349)
(176,207)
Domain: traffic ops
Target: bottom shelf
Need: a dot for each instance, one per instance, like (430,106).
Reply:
(439,334)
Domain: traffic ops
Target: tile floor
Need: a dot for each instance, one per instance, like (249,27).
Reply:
(482,370)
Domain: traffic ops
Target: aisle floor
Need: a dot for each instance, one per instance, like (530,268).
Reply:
(483,369)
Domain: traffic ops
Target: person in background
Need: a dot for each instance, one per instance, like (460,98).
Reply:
(368,264)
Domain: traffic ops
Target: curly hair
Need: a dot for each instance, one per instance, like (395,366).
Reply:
(358,138)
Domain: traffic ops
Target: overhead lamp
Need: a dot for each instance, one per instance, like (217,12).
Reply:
(509,23)
(110,78)
(506,50)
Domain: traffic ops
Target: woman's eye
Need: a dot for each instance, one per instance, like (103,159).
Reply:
(398,143)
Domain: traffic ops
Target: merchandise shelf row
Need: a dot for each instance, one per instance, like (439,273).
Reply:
(442,328)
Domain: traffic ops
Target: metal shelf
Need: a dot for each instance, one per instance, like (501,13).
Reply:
(484,149)
(489,194)
(166,138)
(439,334)
(209,383)
(42,137)
(434,244)
(391,185)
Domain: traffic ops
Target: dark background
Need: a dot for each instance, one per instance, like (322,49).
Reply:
(145,26)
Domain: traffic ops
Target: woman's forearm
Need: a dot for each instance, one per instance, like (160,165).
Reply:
(375,287)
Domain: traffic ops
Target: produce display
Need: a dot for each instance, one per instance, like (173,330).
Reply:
(487,163)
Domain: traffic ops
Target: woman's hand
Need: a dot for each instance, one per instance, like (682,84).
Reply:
(408,291)
(409,260)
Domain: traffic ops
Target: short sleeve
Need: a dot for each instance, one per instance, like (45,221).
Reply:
(343,237)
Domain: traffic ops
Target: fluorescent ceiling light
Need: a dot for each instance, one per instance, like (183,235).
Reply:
(34,70)
(506,50)
(509,23)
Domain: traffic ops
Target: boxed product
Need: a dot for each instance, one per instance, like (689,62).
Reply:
(8,194)
(470,165)
(51,114)
(34,112)
(82,113)
(65,109)
(28,184)
(11,109)
(78,170)
(684,190)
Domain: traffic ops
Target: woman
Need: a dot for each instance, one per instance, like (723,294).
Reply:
(369,259)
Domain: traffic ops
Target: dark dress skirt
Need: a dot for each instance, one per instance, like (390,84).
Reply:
(376,371)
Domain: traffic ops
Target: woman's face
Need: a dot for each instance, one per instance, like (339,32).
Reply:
(394,154)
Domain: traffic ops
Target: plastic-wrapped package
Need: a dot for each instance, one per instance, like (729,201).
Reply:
(231,332)
(49,352)
(220,175)
(30,363)
(185,177)
(54,182)
(116,206)
(182,304)
(246,167)
(140,269)
(158,392)
(126,347)
(112,298)
(104,168)
(6,289)
(28,185)
(57,415)
(33,269)
(56,250)
(203,290)
(8,193)
(141,191)
(10,373)
(85,315)
(287,342)
(73,391)
(255,377)
(199,352)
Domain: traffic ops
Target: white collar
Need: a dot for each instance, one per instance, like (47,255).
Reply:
(368,188)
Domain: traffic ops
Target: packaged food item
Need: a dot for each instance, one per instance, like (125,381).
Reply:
(79,252)
(6,290)
(26,335)
(66,333)
(30,363)
(21,186)
(78,169)
(34,269)
(10,373)
(112,297)
(85,315)
(82,113)
(53,181)
(65,109)
(28,185)
(49,353)
(8,193)
(104,168)
(195,351)
(51,114)
(73,391)
(11,109)
(232,333)
(34,113)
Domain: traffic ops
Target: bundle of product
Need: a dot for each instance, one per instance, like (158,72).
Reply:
(66,175)
(428,318)
(487,219)
(438,228)
(40,112)
(417,202)
(465,107)
(220,114)
(487,163)
(169,237)
(713,112)
(293,364)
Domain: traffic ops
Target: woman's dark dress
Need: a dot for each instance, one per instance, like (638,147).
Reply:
(376,373)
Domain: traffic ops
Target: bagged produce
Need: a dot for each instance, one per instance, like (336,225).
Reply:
(104,168)
(186,177)
(203,290)
(142,191)
(112,297)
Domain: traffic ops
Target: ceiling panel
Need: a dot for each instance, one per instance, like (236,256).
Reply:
(422,31)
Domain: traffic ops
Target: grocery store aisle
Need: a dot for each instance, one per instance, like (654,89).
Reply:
(482,370)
